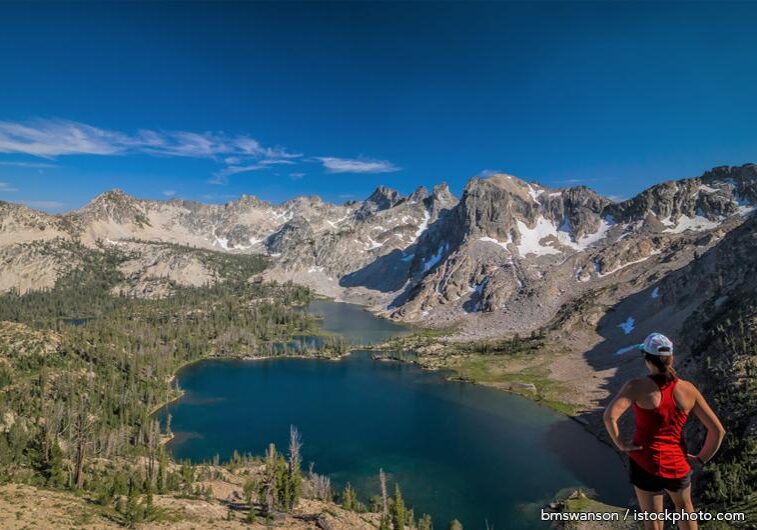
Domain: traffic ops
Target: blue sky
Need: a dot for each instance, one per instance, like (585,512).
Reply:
(209,101)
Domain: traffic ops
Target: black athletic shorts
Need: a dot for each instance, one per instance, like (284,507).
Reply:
(652,483)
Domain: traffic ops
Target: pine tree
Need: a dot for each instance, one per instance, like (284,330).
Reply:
(348,497)
(399,512)
(425,523)
(161,478)
(294,476)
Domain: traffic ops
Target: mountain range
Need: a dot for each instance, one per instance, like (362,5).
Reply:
(505,257)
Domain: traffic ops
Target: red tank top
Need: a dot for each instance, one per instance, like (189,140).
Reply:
(659,432)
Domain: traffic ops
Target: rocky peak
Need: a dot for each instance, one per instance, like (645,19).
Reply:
(442,194)
(747,172)
(303,201)
(115,205)
(742,179)
(491,206)
(582,209)
(112,196)
(382,198)
(251,201)
(419,194)
(719,193)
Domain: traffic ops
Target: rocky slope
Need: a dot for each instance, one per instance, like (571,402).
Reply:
(504,258)
(23,507)
(510,254)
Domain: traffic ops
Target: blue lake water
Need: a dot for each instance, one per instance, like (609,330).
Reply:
(458,450)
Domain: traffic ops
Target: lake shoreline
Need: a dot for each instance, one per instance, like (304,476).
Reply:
(453,376)
(223,391)
(373,350)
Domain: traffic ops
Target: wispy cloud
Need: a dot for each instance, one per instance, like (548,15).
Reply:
(585,180)
(356,165)
(29,165)
(491,172)
(234,153)
(169,193)
(275,161)
(5,187)
(222,176)
(50,138)
(55,137)
(296,175)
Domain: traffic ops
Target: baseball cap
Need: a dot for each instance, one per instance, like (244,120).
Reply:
(657,344)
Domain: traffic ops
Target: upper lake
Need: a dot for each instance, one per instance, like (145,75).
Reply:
(458,450)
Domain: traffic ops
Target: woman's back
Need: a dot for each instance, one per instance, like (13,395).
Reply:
(661,408)
(661,405)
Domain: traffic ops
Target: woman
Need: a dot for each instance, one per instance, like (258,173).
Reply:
(661,404)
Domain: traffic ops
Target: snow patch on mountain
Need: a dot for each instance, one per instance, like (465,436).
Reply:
(335,224)
(534,193)
(424,224)
(222,242)
(623,266)
(628,326)
(745,207)
(372,244)
(696,223)
(627,349)
(531,238)
(590,239)
(431,262)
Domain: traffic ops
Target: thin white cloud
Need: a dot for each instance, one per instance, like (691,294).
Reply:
(169,193)
(6,187)
(580,181)
(50,138)
(490,172)
(55,137)
(222,176)
(29,165)
(276,161)
(296,175)
(356,165)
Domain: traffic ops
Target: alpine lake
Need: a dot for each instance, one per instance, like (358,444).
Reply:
(458,450)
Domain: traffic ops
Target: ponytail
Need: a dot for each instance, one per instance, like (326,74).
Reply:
(663,363)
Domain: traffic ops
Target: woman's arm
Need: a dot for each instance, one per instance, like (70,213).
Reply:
(617,407)
(715,430)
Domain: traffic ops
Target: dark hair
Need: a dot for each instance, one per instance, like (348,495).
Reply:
(664,363)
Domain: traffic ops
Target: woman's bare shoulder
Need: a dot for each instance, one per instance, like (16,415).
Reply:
(640,384)
(687,389)
(687,386)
